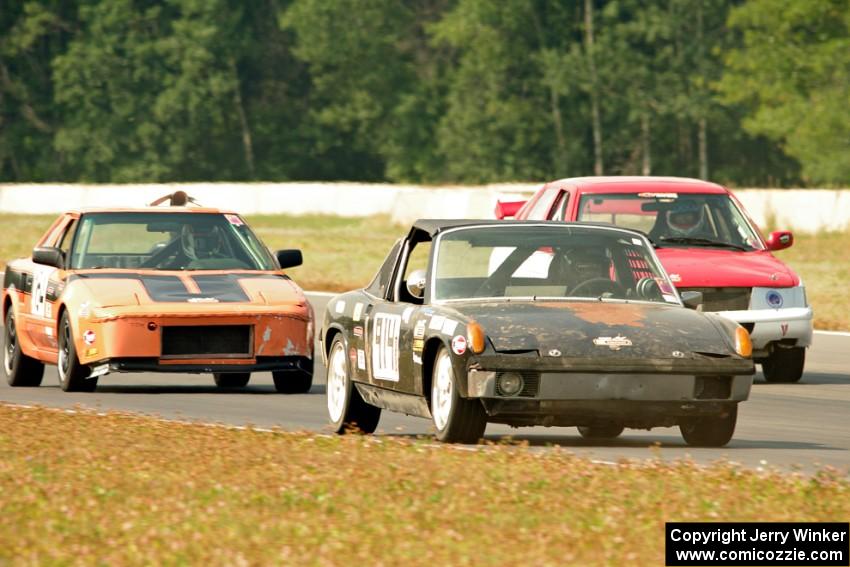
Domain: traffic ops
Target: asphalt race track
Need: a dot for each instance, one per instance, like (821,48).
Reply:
(793,426)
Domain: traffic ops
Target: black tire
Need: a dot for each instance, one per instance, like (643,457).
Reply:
(464,420)
(292,381)
(73,376)
(710,431)
(231,379)
(22,371)
(347,411)
(784,365)
(601,432)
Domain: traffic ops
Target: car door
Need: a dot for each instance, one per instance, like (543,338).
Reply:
(45,285)
(390,325)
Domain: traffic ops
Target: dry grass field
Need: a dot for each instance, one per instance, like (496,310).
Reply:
(111,489)
(344,253)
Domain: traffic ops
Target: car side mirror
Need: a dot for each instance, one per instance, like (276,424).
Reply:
(289,258)
(692,299)
(49,256)
(780,240)
(416,284)
(508,208)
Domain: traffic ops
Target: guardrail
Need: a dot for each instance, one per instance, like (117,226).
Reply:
(804,210)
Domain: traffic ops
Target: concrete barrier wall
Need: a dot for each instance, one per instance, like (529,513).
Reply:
(805,210)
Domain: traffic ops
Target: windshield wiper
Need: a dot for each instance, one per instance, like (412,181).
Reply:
(702,242)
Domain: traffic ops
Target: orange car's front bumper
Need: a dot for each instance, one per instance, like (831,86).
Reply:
(144,338)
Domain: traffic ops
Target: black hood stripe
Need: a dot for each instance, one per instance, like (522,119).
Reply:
(224,288)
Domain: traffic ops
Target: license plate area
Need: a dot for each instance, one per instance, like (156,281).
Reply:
(207,341)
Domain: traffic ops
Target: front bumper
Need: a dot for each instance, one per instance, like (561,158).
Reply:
(637,401)
(572,386)
(140,336)
(792,325)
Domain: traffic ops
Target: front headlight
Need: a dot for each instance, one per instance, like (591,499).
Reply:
(778,297)
(743,344)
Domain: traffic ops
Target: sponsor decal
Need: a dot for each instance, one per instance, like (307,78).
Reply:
(91,351)
(637,242)
(449,327)
(234,220)
(406,315)
(774,277)
(419,329)
(358,311)
(418,345)
(40,283)
(459,345)
(202,300)
(554,352)
(340,306)
(659,195)
(352,355)
(417,359)
(48,331)
(89,337)
(358,331)
(385,330)
(784,328)
(48,310)
(614,343)
(774,299)
(361,359)
(85,309)
(678,354)
(675,278)
(436,322)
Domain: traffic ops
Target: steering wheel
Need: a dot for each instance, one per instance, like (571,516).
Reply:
(489,288)
(605,284)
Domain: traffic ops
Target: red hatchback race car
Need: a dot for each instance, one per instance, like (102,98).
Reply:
(707,243)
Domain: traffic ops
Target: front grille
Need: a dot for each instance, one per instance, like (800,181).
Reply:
(227,341)
(713,387)
(723,298)
(531,384)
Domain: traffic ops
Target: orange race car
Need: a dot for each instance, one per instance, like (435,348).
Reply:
(163,289)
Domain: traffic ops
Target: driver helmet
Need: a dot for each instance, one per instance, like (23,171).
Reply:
(686,218)
(200,242)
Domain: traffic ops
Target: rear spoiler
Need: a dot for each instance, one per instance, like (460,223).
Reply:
(508,208)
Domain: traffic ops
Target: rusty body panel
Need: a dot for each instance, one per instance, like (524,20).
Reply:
(583,361)
(118,316)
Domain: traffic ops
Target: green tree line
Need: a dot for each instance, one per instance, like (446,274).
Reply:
(748,93)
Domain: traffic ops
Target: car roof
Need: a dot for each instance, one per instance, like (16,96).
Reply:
(434,226)
(167,209)
(634,184)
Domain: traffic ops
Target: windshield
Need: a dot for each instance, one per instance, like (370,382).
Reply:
(547,262)
(673,219)
(168,241)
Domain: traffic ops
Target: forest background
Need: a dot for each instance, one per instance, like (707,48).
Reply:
(748,93)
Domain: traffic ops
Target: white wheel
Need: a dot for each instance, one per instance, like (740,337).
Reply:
(442,390)
(456,419)
(337,382)
(346,409)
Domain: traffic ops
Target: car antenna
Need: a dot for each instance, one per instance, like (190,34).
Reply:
(176,199)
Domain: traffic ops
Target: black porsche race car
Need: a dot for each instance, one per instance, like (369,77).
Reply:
(530,323)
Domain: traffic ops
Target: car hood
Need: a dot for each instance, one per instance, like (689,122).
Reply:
(597,328)
(116,289)
(708,267)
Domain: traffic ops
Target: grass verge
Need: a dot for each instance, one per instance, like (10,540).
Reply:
(344,253)
(121,489)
